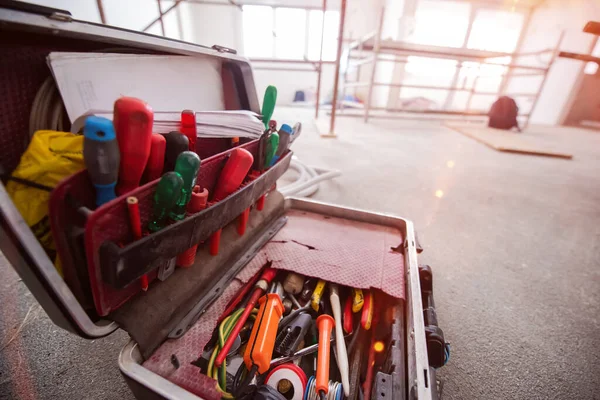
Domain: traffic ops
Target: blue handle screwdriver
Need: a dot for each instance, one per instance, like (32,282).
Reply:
(101,156)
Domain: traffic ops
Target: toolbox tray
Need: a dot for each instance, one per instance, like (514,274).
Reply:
(143,369)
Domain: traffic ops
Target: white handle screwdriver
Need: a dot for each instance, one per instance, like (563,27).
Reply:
(342,358)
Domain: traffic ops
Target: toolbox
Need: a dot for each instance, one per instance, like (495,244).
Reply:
(173,322)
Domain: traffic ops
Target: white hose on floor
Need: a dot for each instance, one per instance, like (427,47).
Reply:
(308,179)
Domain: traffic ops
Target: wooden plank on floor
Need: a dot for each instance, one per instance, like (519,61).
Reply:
(511,142)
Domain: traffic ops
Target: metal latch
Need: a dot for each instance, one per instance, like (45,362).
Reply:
(60,16)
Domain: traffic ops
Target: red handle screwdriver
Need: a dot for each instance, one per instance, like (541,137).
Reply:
(156,160)
(259,289)
(132,119)
(232,176)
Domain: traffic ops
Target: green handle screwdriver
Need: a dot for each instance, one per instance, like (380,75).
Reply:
(272,145)
(187,166)
(269,104)
(167,193)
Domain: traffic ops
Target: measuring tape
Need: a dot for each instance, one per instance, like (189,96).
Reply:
(288,376)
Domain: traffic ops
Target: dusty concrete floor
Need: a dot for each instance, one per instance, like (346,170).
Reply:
(513,241)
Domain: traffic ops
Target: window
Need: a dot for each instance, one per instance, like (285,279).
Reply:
(289,33)
(441,23)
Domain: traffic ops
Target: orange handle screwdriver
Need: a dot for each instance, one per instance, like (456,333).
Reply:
(259,349)
(325,325)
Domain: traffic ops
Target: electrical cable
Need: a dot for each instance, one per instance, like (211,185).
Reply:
(307,182)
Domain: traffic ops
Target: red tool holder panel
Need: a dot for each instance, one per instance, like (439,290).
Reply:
(109,224)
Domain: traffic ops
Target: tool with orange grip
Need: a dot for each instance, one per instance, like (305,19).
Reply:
(259,289)
(324,325)
(259,349)
(366,318)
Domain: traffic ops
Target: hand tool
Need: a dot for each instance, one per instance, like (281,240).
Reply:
(325,325)
(242,221)
(232,176)
(357,351)
(434,336)
(289,337)
(259,288)
(136,227)
(271,149)
(132,119)
(300,353)
(268,106)
(167,193)
(197,203)
(293,283)
(177,143)
(368,383)
(259,349)
(187,166)
(101,156)
(156,160)
(293,300)
(287,306)
(367,313)
(288,378)
(285,133)
(272,125)
(317,294)
(290,317)
(296,132)
(259,165)
(246,289)
(188,128)
(340,344)
(358,300)
(348,320)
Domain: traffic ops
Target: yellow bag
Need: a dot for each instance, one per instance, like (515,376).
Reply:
(50,157)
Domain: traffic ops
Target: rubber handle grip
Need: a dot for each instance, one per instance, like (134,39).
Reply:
(232,176)
(259,349)
(156,160)
(325,325)
(340,344)
(177,143)
(133,120)
(188,128)
(101,156)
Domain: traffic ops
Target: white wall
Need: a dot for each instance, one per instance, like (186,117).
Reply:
(545,27)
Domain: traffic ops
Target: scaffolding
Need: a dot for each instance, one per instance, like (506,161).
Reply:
(372,49)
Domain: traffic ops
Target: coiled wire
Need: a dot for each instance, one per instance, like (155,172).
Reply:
(335,392)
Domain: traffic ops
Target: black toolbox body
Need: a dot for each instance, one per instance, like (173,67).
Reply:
(27,36)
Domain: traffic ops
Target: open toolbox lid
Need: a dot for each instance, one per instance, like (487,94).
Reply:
(28,33)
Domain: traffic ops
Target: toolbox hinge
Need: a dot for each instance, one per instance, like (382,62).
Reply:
(223,49)
(60,16)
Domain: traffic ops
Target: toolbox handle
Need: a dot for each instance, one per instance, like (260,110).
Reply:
(123,265)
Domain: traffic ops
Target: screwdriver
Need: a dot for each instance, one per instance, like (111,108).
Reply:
(156,160)
(166,196)
(188,128)
(269,100)
(132,119)
(340,344)
(187,166)
(177,143)
(272,145)
(232,175)
(101,156)
(259,289)
(285,133)
(324,325)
